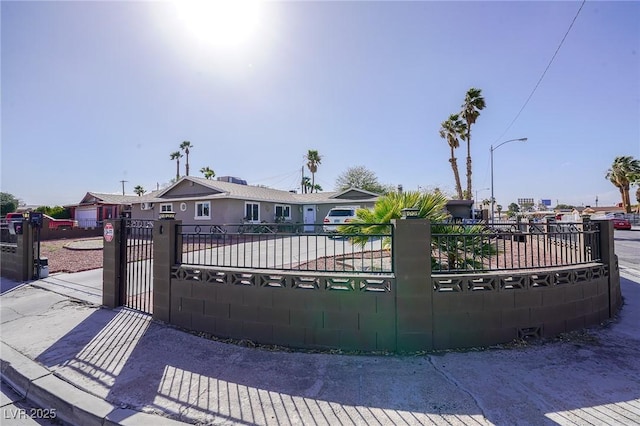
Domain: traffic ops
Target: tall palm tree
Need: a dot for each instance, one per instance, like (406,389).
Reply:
(624,172)
(139,190)
(473,104)
(313,160)
(306,184)
(185,146)
(176,156)
(450,130)
(207,172)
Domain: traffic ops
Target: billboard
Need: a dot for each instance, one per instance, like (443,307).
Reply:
(546,203)
(525,201)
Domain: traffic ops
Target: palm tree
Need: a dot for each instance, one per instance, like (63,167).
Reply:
(139,190)
(624,172)
(313,160)
(306,184)
(450,130)
(389,206)
(208,172)
(473,104)
(499,208)
(176,156)
(457,246)
(185,147)
(316,188)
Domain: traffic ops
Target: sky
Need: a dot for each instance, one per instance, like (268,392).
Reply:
(95,93)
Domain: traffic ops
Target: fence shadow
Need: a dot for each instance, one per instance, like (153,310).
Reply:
(129,360)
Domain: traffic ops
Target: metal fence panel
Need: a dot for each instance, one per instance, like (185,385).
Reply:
(488,247)
(280,246)
(137,252)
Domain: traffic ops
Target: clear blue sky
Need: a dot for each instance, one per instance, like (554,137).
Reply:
(98,92)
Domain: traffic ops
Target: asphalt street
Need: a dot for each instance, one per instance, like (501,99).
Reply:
(627,246)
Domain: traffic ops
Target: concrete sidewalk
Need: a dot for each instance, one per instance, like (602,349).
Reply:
(102,366)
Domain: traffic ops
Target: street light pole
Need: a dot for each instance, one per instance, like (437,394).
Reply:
(491,150)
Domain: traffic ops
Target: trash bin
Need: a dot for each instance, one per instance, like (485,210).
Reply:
(44,267)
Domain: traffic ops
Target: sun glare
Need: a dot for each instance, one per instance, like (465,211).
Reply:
(224,24)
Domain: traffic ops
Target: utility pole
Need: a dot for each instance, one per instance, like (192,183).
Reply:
(122,182)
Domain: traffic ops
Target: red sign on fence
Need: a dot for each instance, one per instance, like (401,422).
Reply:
(108,232)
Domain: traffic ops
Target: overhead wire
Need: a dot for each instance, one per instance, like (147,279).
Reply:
(543,73)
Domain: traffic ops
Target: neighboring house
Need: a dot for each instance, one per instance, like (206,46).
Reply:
(196,200)
(601,210)
(96,207)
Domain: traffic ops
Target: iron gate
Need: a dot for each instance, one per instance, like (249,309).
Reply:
(137,265)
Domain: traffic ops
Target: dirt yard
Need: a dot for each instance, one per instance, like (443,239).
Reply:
(62,259)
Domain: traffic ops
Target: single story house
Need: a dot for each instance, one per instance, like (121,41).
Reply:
(96,207)
(196,200)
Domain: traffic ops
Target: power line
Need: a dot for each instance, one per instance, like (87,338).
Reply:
(543,73)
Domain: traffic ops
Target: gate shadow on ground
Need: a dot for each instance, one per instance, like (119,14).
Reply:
(127,359)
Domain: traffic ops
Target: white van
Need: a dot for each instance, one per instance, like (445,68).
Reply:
(338,216)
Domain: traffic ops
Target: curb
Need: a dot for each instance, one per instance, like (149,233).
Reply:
(74,406)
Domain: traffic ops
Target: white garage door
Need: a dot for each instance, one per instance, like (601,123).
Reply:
(87,218)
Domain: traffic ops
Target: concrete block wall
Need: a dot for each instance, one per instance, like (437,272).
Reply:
(17,260)
(55,234)
(112,269)
(411,310)
(287,309)
(472,315)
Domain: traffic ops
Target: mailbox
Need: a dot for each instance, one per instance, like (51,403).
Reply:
(35,219)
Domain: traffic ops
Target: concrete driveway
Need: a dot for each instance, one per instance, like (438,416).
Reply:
(287,252)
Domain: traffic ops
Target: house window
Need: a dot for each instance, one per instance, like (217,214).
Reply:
(203,210)
(166,208)
(252,212)
(283,212)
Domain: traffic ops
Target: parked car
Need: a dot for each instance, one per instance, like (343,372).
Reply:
(14,217)
(621,223)
(618,219)
(61,223)
(338,216)
(12,222)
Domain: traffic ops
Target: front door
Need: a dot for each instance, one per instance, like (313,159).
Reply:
(309,217)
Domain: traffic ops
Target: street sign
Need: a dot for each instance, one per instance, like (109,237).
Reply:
(108,232)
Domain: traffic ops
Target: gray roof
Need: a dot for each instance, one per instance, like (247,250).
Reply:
(253,193)
(118,199)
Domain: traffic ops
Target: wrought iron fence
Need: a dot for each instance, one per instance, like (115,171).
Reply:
(457,248)
(137,255)
(285,246)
